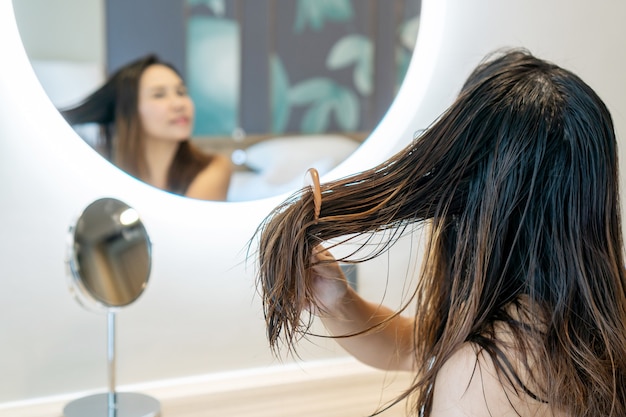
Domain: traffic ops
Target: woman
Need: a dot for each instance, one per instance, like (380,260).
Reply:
(521,304)
(147,117)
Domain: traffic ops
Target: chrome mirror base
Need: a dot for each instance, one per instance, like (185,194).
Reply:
(128,404)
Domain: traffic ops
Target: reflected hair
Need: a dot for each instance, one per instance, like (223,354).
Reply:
(518,183)
(114,107)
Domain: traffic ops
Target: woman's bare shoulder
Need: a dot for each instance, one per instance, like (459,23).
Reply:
(213,181)
(468,385)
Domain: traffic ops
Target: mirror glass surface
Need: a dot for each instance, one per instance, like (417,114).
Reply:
(279,86)
(110,254)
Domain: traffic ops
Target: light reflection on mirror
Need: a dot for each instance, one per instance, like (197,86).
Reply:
(283,86)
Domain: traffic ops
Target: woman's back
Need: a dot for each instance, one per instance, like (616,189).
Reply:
(468,385)
(471,384)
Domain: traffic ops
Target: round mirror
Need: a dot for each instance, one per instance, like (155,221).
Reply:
(274,110)
(109,261)
(109,255)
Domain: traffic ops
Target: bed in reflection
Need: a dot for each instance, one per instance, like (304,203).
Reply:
(277,165)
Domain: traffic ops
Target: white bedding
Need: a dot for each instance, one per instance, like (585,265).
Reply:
(279,165)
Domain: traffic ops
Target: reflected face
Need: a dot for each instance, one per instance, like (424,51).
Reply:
(165,109)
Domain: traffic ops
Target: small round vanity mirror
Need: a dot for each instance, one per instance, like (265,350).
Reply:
(109,262)
(110,255)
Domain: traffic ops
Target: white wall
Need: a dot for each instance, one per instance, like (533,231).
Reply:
(200,313)
(71,30)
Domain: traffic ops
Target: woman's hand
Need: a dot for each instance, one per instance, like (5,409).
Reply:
(329,283)
(378,336)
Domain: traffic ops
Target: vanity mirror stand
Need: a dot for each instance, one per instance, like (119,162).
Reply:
(109,260)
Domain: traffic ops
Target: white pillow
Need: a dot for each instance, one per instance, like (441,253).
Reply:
(284,159)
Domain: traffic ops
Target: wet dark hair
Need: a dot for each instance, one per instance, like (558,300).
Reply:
(518,182)
(114,106)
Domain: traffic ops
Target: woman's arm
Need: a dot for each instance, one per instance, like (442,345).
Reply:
(344,312)
(212,182)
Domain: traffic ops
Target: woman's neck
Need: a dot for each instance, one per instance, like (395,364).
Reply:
(159,158)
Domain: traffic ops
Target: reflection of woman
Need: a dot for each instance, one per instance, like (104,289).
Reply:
(147,119)
(521,304)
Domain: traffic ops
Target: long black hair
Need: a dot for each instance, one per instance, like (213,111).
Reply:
(518,182)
